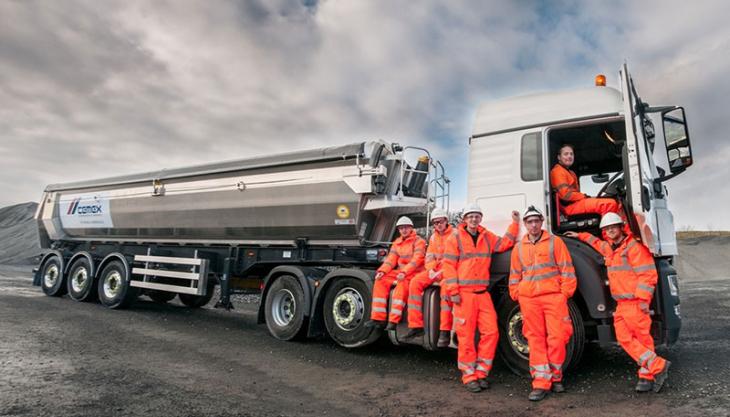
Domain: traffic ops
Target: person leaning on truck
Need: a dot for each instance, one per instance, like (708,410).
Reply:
(404,260)
(467,258)
(541,280)
(632,278)
(565,183)
(433,274)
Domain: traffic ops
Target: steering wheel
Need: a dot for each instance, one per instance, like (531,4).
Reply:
(604,190)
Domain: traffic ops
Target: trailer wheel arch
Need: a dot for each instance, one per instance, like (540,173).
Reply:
(88,256)
(111,257)
(44,258)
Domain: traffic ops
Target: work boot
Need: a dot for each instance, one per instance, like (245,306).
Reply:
(644,385)
(375,323)
(444,339)
(413,333)
(558,387)
(537,395)
(661,377)
(483,383)
(473,386)
(391,326)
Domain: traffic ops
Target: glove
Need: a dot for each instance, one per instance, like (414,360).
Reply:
(456,299)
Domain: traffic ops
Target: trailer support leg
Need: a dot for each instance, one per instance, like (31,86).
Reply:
(225,299)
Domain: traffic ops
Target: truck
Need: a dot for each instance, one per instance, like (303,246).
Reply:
(307,230)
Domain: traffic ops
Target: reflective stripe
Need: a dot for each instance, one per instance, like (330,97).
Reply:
(643,268)
(542,375)
(538,266)
(551,250)
(541,277)
(645,287)
(644,371)
(563,185)
(627,296)
(569,275)
(415,297)
(651,360)
(476,255)
(452,257)
(556,367)
(388,263)
(510,236)
(380,300)
(445,307)
(475,281)
(465,365)
(397,311)
(644,357)
(405,257)
(449,281)
(565,264)
(458,243)
(380,309)
(568,194)
(619,268)
(545,368)
(514,281)
(482,368)
(414,306)
(515,271)
(399,302)
(485,361)
(430,256)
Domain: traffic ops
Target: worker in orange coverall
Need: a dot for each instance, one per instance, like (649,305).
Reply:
(467,258)
(432,275)
(542,279)
(403,262)
(632,277)
(565,183)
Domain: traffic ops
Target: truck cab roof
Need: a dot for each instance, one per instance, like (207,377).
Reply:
(522,112)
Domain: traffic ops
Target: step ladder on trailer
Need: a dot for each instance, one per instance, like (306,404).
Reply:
(192,273)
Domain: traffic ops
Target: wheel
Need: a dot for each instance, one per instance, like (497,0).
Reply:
(346,309)
(197,301)
(113,286)
(284,308)
(52,278)
(513,347)
(80,282)
(161,296)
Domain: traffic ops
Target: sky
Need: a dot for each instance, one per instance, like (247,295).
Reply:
(91,89)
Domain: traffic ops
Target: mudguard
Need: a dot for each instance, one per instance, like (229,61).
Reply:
(77,255)
(44,258)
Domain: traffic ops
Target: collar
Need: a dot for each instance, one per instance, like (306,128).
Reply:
(543,237)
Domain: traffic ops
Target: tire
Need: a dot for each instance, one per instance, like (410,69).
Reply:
(284,308)
(80,281)
(197,301)
(53,280)
(346,308)
(161,296)
(513,347)
(113,286)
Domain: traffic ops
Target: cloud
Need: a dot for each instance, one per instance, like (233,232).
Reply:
(106,88)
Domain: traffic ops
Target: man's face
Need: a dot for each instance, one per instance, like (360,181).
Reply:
(439,224)
(566,156)
(405,230)
(473,220)
(533,224)
(613,232)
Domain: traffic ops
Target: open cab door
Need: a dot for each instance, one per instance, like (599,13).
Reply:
(647,166)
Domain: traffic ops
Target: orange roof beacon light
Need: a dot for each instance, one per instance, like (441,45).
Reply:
(600,80)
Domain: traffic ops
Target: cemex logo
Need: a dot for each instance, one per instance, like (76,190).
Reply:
(77,208)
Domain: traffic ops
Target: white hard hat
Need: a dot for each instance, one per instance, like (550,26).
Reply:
(404,221)
(532,211)
(472,208)
(439,213)
(610,219)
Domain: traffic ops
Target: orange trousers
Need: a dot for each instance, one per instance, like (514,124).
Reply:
(633,332)
(476,311)
(593,205)
(546,325)
(418,285)
(381,291)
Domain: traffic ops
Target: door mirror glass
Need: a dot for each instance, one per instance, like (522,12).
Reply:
(599,178)
(679,152)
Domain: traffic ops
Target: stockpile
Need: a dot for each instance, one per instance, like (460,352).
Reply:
(18,234)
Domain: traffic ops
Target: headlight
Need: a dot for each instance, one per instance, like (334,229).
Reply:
(676,310)
(673,285)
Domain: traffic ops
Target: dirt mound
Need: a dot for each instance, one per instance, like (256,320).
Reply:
(18,234)
(704,257)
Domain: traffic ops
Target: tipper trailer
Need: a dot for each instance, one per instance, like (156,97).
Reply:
(307,229)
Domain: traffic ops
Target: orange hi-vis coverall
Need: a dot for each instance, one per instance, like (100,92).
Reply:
(565,183)
(466,274)
(542,278)
(405,256)
(632,278)
(419,283)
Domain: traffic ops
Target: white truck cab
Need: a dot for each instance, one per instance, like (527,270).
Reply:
(621,145)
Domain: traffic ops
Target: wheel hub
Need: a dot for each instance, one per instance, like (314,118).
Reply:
(517,339)
(112,284)
(50,276)
(284,307)
(79,279)
(348,309)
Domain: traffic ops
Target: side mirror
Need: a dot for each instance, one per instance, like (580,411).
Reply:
(599,178)
(676,135)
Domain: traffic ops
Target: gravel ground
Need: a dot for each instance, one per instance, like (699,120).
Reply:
(62,358)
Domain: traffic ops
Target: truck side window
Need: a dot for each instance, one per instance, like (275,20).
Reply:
(531,157)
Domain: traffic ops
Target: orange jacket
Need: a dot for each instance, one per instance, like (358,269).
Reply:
(631,271)
(543,267)
(406,255)
(466,266)
(436,246)
(565,183)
